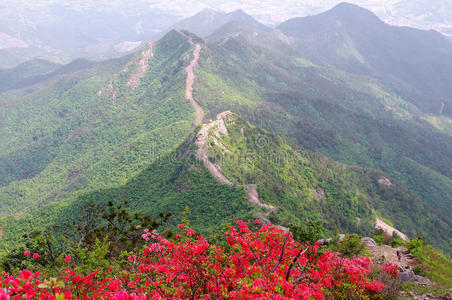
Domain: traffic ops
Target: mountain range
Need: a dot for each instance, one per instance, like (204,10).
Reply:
(98,30)
(327,118)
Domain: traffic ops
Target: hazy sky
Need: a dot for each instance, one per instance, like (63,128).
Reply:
(417,13)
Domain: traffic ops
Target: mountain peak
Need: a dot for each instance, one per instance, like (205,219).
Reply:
(208,20)
(238,12)
(209,12)
(350,11)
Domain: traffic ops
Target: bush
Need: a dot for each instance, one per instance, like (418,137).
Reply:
(253,264)
(350,246)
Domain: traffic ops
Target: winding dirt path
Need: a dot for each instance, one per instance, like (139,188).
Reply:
(390,254)
(202,138)
(189,85)
(219,126)
(201,141)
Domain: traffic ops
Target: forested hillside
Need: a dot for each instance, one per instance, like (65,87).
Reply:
(352,118)
(75,137)
(293,185)
(416,63)
(93,128)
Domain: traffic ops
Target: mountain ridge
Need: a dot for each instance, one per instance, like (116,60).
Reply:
(354,39)
(259,75)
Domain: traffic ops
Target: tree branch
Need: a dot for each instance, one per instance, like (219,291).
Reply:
(294,261)
(282,253)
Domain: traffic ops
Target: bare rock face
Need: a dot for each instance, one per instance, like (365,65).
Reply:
(385,181)
(369,242)
(409,276)
(139,67)
(318,194)
(389,230)
(430,296)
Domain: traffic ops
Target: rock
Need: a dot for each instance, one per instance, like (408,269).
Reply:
(369,242)
(409,256)
(389,230)
(421,279)
(385,181)
(407,276)
(325,241)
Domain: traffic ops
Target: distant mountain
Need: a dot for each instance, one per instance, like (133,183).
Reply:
(38,70)
(354,39)
(63,32)
(9,78)
(207,21)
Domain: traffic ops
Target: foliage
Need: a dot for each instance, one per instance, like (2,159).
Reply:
(310,232)
(354,119)
(396,241)
(254,264)
(349,246)
(86,131)
(432,263)
(393,240)
(307,186)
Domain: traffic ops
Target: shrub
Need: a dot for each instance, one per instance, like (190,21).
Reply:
(350,246)
(266,263)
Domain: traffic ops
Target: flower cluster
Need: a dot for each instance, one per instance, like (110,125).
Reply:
(266,263)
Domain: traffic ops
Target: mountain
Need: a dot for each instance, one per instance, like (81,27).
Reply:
(352,118)
(207,21)
(228,169)
(111,131)
(416,63)
(62,32)
(37,70)
(72,130)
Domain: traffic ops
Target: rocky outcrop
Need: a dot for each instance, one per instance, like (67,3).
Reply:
(446,296)
(409,276)
(201,144)
(139,67)
(369,242)
(385,181)
(389,230)
(218,128)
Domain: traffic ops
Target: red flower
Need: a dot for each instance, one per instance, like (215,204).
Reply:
(27,253)
(67,259)
(36,256)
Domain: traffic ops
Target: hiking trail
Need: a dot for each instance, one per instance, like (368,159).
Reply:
(202,138)
(189,84)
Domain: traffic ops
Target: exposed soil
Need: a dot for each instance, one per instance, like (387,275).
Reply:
(390,254)
(202,144)
(141,68)
(189,85)
(389,230)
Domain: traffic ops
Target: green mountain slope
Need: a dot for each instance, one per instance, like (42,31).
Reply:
(93,128)
(77,140)
(355,119)
(291,185)
(301,184)
(355,40)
